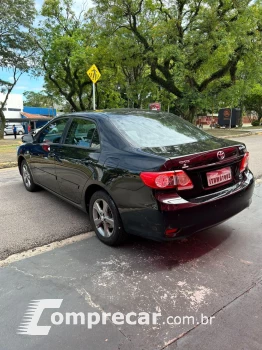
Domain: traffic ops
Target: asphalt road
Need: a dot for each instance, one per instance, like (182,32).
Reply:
(11,137)
(29,220)
(254,146)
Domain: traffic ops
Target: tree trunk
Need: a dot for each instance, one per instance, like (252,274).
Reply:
(2,118)
(192,113)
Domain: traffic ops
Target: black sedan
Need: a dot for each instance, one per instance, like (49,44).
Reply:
(138,172)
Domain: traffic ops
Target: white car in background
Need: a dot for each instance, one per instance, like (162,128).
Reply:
(8,130)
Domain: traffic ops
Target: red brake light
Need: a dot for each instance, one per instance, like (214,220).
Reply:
(171,232)
(244,162)
(167,179)
(183,181)
(46,147)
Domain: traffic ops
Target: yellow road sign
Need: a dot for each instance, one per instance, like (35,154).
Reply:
(93,73)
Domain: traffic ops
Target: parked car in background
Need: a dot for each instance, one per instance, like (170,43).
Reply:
(8,130)
(138,172)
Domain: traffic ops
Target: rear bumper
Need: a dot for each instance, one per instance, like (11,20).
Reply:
(188,216)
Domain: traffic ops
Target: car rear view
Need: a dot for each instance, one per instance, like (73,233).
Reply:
(200,182)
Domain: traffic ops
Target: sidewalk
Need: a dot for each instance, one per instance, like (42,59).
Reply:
(232,133)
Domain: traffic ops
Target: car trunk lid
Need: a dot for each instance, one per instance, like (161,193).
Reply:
(211,164)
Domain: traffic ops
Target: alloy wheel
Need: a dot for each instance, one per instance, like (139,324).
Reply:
(103,218)
(26,176)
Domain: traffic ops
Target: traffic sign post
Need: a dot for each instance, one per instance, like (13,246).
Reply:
(94,96)
(94,75)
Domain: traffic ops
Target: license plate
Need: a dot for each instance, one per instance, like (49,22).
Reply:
(219,176)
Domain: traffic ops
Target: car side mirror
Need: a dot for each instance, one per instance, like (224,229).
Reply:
(28,138)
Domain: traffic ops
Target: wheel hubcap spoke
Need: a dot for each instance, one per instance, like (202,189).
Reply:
(97,221)
(105,207)
(106,229)
(97,207)
(109,221)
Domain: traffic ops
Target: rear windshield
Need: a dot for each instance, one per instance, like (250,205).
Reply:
(156,130)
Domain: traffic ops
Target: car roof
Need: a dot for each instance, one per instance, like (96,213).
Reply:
(120,112)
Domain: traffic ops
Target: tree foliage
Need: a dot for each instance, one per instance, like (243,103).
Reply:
(253,101)
(68,46)
(40,99)
(190,47)
(16,19)
(192,56)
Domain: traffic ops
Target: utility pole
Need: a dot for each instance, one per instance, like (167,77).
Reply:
(230,120)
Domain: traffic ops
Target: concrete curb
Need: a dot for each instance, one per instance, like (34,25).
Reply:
(7,165)
(242,134)
(45,248)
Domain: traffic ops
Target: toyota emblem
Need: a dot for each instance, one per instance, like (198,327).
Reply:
(220,155)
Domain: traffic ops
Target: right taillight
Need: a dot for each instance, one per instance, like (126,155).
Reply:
(244,162)
(167,179)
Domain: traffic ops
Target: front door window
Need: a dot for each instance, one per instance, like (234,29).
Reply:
(53,132)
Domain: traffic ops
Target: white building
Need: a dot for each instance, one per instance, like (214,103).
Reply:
(13,106)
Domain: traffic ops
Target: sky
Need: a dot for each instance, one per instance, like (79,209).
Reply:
(27,82)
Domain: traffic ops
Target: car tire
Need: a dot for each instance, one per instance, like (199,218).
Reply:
(20,132)
(105,219)
(27,177)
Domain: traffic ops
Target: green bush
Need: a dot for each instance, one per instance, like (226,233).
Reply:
(255,123)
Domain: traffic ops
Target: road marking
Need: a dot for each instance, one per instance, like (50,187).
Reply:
(45,248)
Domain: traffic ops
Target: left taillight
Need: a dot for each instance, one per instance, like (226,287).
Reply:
(244,162)
(167,179)
(46,147)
